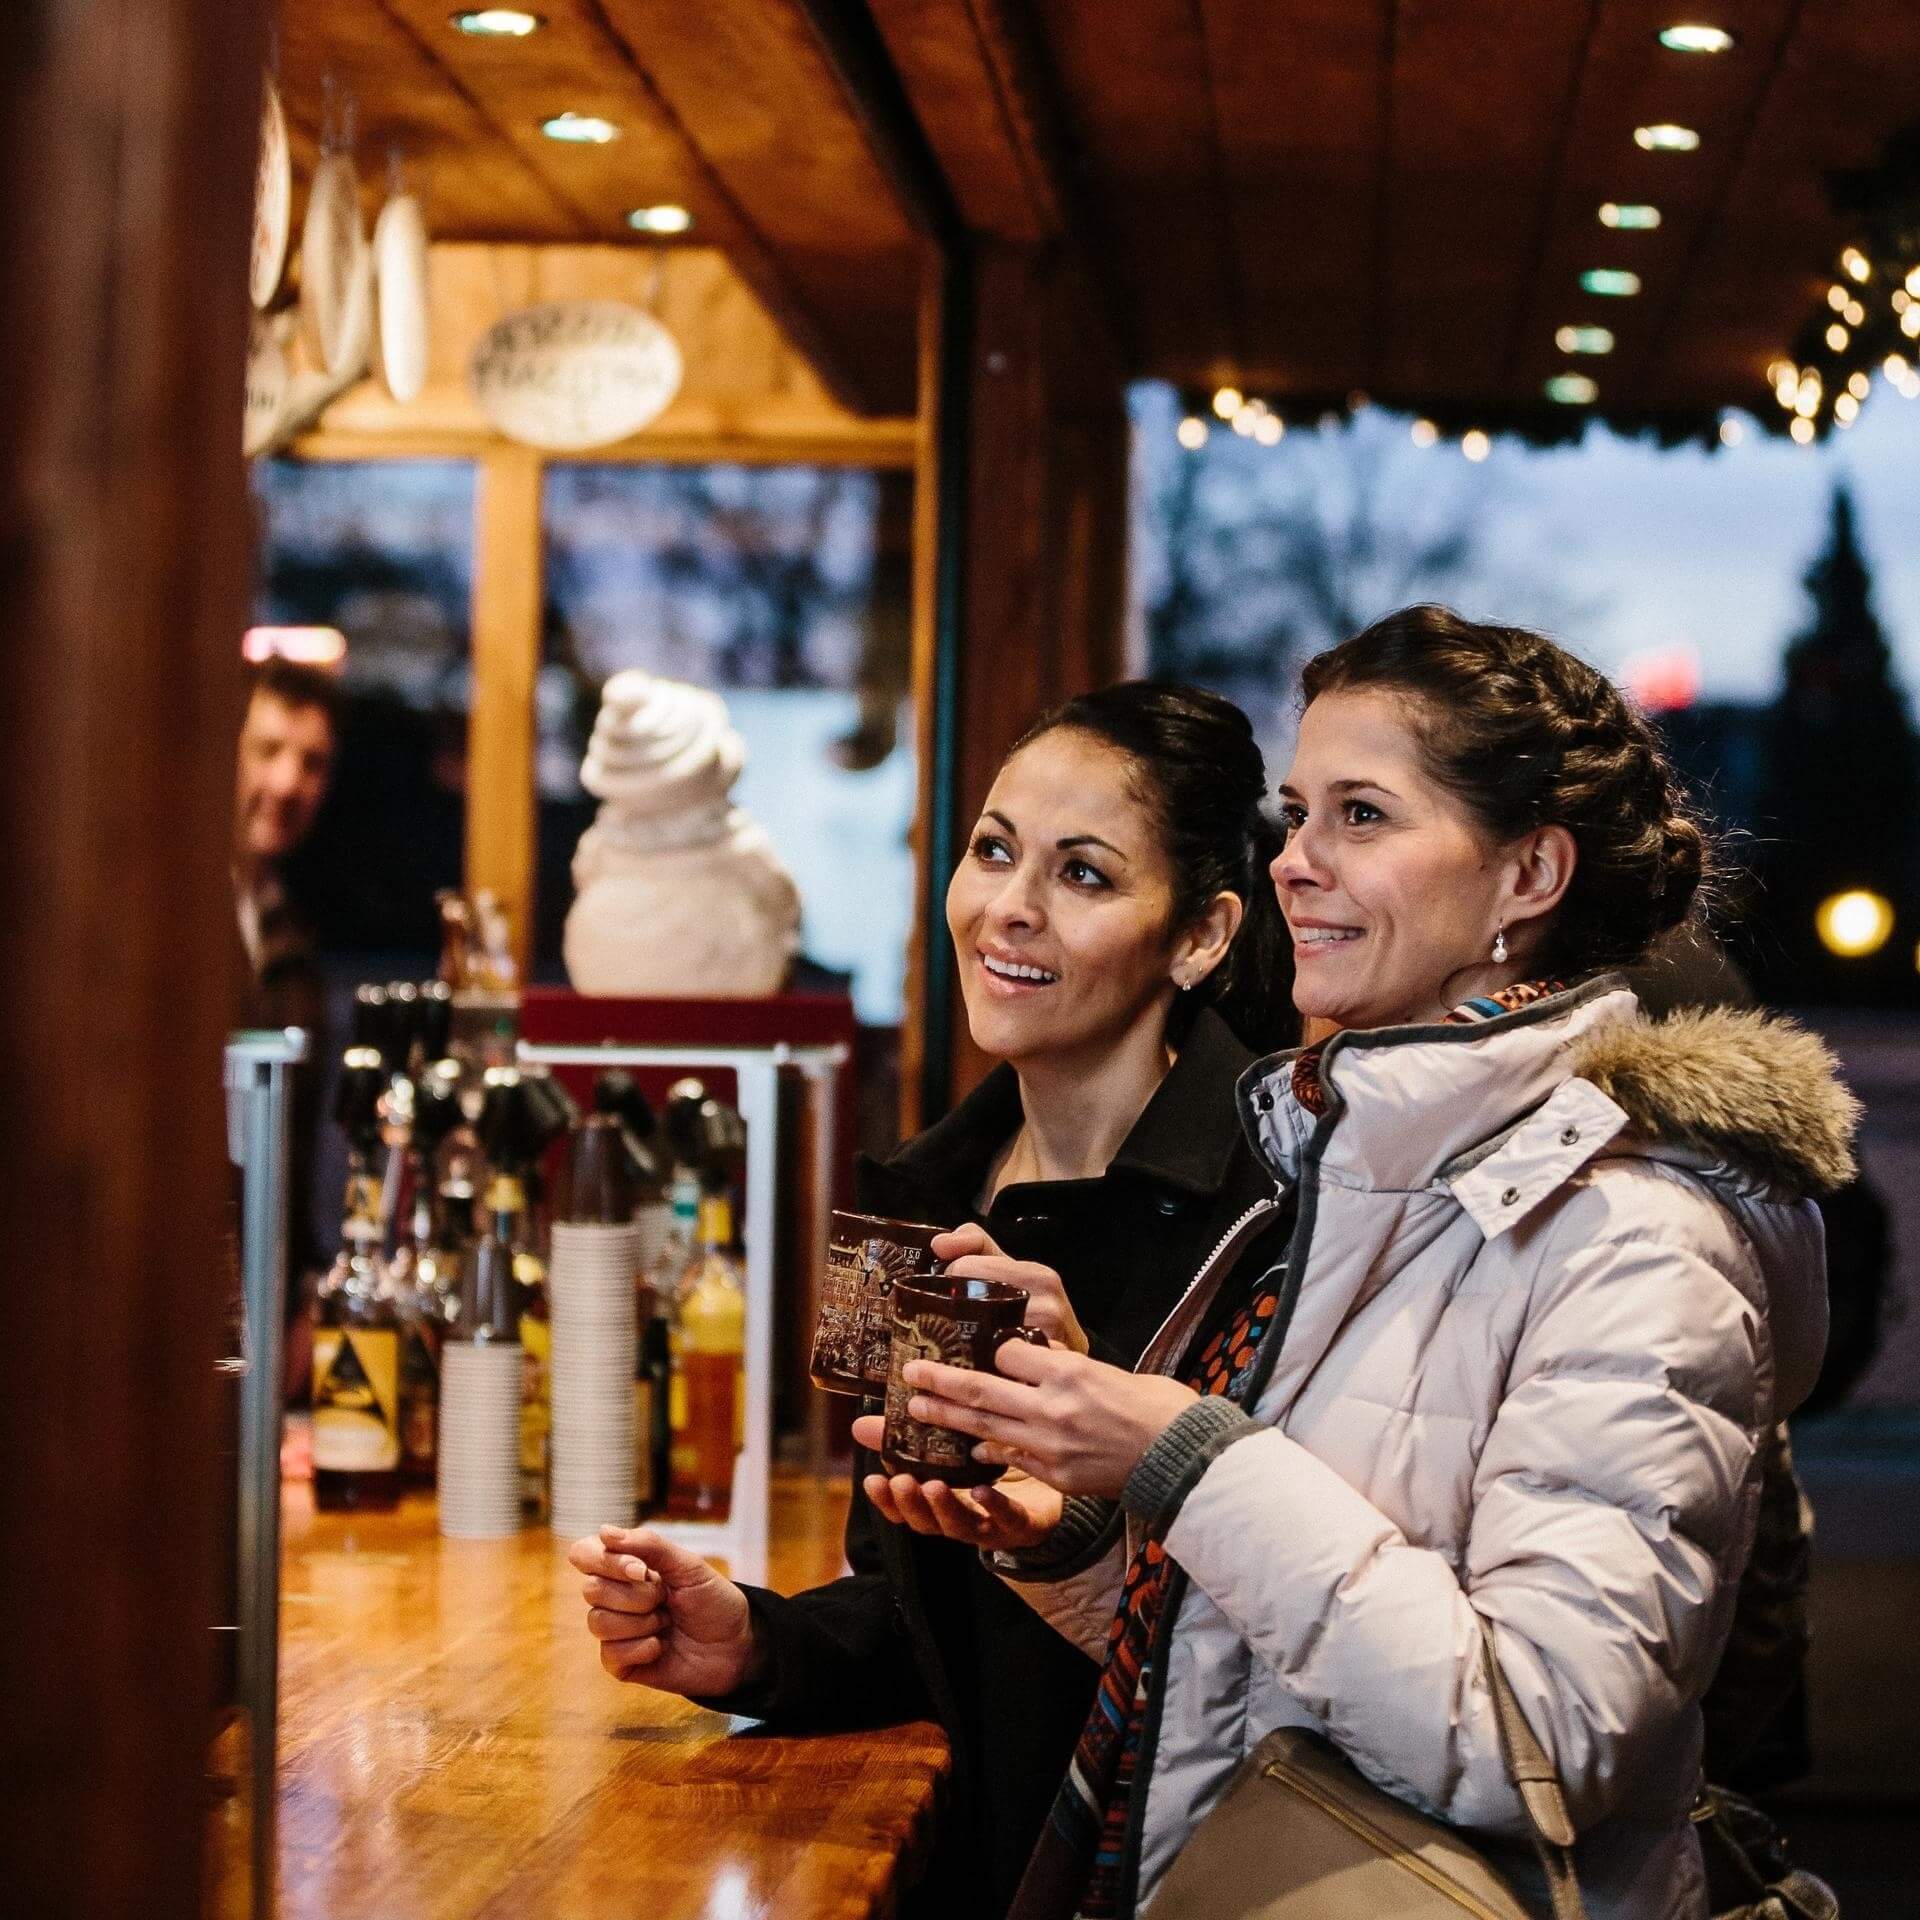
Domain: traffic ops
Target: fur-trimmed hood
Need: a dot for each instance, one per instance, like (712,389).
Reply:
(1750,1088)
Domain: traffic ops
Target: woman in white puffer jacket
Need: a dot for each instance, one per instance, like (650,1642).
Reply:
(1550,1279)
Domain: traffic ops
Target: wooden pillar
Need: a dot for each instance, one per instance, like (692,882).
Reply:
(508,601)
(1041,531)
(127,134)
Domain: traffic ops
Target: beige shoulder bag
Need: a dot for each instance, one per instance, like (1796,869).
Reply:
(1301,1835)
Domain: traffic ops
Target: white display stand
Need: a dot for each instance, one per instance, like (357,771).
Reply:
(741,1539)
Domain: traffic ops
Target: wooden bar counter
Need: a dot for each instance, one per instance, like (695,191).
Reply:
(450,1748)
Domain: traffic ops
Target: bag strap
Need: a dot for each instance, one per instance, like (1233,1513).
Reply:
(1538,1786)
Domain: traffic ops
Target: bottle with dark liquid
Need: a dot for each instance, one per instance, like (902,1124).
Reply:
(356,1356)
(709,1404)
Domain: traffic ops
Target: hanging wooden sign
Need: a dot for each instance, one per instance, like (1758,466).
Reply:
(268,381)
(400,275)
(272,202)
(574,374)
(336,280)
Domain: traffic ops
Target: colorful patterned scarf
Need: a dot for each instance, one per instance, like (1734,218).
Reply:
(1076,1869)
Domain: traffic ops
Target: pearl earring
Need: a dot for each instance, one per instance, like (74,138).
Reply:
(1500,945)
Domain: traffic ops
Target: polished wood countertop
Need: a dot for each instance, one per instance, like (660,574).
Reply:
(451,1749)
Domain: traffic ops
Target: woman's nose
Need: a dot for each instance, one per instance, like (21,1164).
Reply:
(1014,904)
(1295,865)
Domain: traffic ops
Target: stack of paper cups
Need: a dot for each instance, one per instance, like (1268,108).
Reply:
(480,1439)
(590,1290)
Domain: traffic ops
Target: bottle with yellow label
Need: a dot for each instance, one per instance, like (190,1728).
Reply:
(709,1403)
(508,1222)
(356,1367)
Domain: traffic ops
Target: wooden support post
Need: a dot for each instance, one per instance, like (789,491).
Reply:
(127,137)
(508,600)
(1040,532)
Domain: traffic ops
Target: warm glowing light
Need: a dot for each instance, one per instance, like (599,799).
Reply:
(1859,384)
(1665,137)
(1837,337)
(1910,322)
(1894,367)
(1911,284)
(1425,433)
(1584,340)
(1853,313)
(1228,401)
(1837,297)
(1846,409)
(497,23)
(1732,430)
(665,218)
(1854,924)
(1856,263)
(1268,428)
(1191,433)
(1571,390)
(1801,428)
(305,646)
(1686,38)
(1614,283)
(1902,299)
(580,129)
(1475,444)
(1243,421)
(1662,679)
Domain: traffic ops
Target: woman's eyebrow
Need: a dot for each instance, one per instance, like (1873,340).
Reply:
(1286,791)
(1087,840)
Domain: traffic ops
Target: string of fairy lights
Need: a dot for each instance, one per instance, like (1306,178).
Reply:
(1868,328)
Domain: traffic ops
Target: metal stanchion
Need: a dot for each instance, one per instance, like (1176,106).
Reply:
(258,1071)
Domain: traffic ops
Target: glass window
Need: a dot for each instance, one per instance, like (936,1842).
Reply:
(785,589)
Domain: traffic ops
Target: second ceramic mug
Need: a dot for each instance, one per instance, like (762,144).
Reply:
(962,1323)
(867,1257)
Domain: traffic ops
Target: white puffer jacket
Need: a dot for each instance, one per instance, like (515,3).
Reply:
(1553,1277)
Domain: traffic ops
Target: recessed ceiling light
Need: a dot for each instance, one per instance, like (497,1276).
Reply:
(1228,401)
(1584,340)
(1475,444)
(665,218)
(1696,39)
(1732,430)
(1858,266)
(1629,215)
(1572,390)
(1837,337)
(498,23)
(1425,433)
(1614,283)
(1191,433)
(1802,431)
(580,129)
(1665,137)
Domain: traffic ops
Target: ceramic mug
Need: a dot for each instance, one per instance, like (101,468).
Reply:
(867,1257)
(962,1323)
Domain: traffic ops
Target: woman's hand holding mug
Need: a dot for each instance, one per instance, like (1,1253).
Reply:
(1014,1513)
(968,1253)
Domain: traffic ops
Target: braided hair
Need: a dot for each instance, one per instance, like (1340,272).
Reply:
(1527,736)
(1198,773)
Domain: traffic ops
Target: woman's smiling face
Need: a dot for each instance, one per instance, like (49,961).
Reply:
(1059,908)
(1391,890)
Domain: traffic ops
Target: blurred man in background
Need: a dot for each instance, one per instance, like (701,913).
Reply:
(284,763)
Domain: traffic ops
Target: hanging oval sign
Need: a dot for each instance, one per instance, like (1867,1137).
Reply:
(272,202)
(400,272)
(574,374)
(268,378)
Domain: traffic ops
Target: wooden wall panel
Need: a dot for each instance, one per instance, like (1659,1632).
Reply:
(127,131)
(1043,540)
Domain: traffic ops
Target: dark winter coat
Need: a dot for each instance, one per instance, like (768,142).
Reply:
(919,1628)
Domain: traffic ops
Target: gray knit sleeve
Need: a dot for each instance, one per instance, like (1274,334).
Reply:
(1088,1526)
(1169,1469)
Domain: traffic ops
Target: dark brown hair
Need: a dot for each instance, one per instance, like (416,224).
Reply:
(294,684)
(1198,772)
(1526,736)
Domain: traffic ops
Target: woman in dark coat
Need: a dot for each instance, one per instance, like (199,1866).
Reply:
(1112,931)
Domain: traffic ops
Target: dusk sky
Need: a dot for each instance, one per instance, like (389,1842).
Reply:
(1633,548)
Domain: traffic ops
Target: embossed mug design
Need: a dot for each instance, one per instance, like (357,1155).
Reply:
(962,1323)
(867,1257)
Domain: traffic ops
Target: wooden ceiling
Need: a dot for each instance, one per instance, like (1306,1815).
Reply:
(1305,197)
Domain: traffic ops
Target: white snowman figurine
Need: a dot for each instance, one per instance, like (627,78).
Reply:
(678,894)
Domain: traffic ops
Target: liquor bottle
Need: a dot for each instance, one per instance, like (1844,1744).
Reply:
(711,1321)
(356,1365)
(508,1223)
(424,1274)
(617,1093)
